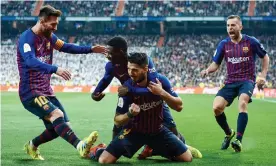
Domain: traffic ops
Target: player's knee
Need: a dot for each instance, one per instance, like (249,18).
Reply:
(243,105)
(218,109)
(105,160)
(68,123)
(57,113)
(186,157)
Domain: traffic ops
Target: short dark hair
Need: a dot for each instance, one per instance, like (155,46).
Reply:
(140,59)
(234,16)
(118,42)
(48,10)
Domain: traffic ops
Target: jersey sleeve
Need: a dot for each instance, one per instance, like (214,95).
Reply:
(106,80)
(151,66)
(258,48)
(123,105)
(152,74)
(166,85)
(69,47)
(27,51)
(136,90)
(219,53)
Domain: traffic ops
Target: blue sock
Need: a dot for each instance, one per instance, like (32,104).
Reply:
(242,122)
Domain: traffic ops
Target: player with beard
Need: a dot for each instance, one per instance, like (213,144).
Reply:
(117,67)
(34,58)
(239,52)
(142,118)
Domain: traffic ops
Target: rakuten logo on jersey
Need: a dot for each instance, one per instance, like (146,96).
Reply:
(147,106)
(235,60)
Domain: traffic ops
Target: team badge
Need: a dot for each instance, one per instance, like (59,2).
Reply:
(48,45)
(121,137)
(125,132)
(245,49)
(46,107)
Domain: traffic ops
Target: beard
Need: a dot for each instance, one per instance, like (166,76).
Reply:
(140,79)
(47,34)
(235,33)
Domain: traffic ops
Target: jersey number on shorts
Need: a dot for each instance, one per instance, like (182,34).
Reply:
(41,100)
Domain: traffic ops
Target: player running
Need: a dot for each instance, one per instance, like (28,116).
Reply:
(239,52)
(34,59)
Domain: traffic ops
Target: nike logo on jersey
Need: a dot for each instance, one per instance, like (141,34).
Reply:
(228,51)
(39,47)
(121,75)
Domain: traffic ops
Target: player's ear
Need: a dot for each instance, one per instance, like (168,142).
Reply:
(123,52)
(146,68)
(42,20)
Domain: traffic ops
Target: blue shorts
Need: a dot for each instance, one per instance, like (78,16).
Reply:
(42,106)
(167,117)
(230,91)
(127,143)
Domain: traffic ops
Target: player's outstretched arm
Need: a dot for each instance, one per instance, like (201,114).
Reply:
(124,90)
(212,68)
(217,59)
(98,94)
(166,92)
(76,49)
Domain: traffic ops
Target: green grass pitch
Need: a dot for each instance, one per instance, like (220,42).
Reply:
(196,122)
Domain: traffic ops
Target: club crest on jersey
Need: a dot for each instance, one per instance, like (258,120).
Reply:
(245,49)
(48,46)
(46,107)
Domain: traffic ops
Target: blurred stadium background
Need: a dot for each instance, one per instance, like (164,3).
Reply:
(181,37)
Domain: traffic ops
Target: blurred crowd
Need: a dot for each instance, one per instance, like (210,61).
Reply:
(181,59)
(186,8)
(16,8)
(143,8)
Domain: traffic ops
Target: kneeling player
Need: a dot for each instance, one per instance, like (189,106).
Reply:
(142,118)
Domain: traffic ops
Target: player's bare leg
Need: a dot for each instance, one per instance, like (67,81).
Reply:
(218,107)
(184,157)
(107,158)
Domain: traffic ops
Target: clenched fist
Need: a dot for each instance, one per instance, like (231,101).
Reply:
(134,109)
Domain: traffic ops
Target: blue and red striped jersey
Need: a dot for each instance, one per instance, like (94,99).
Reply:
(34,60)
(120,72)
(150,118)
(240,58)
